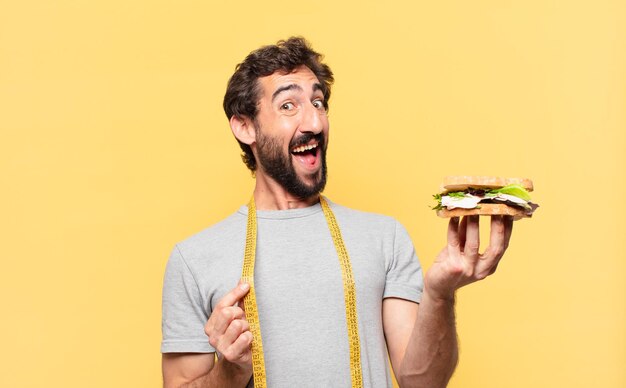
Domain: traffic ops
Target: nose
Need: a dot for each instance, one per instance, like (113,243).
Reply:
(312,120)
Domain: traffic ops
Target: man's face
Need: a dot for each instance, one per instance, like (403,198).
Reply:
(292,132)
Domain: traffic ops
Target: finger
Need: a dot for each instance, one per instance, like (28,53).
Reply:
(508,230)
(237,312)
(493,269)
(462,230)
(507,224)
(242,306)
(240,302)
(234,295)
(472,238)
(224,317)
(453,235)
(497,238)
(497,245)
(239,351)
(234,330)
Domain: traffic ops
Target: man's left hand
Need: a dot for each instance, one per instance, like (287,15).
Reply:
(460,262)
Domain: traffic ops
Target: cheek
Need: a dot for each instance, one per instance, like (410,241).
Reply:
(286,127)
(325,124)
(324,118)
(277,126)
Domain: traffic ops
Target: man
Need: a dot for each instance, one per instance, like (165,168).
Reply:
(276,103)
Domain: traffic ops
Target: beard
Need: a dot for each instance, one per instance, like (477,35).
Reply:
(279,165)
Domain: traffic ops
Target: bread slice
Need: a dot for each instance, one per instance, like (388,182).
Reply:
(486,209)
(462,182)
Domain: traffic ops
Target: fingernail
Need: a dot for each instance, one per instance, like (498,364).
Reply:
(244,286)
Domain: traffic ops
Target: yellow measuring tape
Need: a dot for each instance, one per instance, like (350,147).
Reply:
(252,314)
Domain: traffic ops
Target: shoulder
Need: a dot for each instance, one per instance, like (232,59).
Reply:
(209,261)
(360,216)
(366,222)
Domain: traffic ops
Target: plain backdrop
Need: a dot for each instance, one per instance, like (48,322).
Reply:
(114,146)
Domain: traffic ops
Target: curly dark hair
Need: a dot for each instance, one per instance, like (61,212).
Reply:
(243,91)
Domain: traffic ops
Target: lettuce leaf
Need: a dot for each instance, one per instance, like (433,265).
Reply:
(515,190)
(437,198)
(457,194)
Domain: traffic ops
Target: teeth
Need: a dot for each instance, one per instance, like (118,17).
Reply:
(305,148)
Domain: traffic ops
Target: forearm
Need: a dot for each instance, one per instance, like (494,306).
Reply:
(223,374)
(432,352)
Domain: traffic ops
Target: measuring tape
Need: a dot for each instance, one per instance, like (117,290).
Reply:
(349,292)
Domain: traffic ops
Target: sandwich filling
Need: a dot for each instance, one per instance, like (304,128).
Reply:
(471,198)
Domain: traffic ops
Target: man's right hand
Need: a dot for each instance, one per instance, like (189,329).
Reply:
(229,331)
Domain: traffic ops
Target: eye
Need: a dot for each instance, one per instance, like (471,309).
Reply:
(318,104)
(288,106)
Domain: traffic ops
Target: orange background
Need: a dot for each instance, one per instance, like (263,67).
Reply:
(114,147)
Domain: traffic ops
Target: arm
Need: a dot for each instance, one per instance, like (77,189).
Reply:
(199,370)
(422,341)
(181,368)
(229,333)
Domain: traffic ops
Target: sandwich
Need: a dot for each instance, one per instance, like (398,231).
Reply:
(485,196)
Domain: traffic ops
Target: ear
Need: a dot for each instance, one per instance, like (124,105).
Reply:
(243,129)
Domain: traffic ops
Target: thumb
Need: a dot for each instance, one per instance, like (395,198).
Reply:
(234,295)
(244,287)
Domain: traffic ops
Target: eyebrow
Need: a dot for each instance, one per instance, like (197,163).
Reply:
(285,88)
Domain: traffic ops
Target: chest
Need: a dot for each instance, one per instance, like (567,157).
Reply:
(297,266)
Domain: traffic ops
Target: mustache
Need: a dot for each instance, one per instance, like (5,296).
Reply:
(306,138)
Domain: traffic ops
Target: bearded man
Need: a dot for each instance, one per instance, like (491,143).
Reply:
(329,292)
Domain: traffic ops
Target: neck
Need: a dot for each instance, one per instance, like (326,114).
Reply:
(269,195)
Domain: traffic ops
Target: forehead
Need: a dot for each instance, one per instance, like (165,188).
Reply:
(302,76)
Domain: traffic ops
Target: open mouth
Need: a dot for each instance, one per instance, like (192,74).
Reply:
(304,149)
(306,153)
